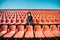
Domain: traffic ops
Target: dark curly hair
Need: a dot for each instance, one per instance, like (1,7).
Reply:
(29,13)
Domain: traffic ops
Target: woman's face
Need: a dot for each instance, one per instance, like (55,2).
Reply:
(29,14)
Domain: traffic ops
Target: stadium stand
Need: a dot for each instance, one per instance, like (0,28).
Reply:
(46,25)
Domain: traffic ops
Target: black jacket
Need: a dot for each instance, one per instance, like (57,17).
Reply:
(29,19)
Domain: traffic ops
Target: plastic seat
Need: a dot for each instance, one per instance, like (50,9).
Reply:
(13,21)
(47,32)
(39,21)
(34,21)
(54,30)
(43,20)
(8,21)
(29,32)
(52,21)
(20,32)
(56,21)
(18,21)
(4,29)
(23,21)
(38,32)
(3,21)
(59,27)
(11,32)
(48,21)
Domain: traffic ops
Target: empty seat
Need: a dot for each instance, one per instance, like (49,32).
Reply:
(18,21)
(47,32)
(39,21)
(8,21)
(38,32)
(48,21)
(34,21)
(23,21)
(3,21)
(13,21)
(52,20)
(54,30)
(43,20)
(11,32)
(59,27)
(29,32)
(4,29)
(20,32)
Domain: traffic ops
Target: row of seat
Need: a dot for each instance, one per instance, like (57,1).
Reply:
(35,13)
(38,32)
(34,21)
(22,19)
(40,16)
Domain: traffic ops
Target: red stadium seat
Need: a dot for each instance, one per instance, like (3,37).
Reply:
(8,21)
(43,20)
(20,32)
(23,21)
(18,21)
(48,21)
(34,21)
(54,30)
(39,21)
(29,32)
(4,29)
(47,32)
(52,21)
(59,27)
(38,32)
(3,20)
(13,21)
(11,32)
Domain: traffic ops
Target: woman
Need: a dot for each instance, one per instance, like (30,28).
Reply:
(29,18)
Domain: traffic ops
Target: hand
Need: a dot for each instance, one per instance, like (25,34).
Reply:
(29,23)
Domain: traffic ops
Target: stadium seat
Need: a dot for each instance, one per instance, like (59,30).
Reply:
(13,21)
(34,21)
(11,32)
(39,21)
(46,24)
(8,21)
(54,30)
(18,21)
(47,32)
(59,27)
(20,32)
(3,20)
(23,21)
(4,29)
(29,32)
(38,31)
(48,21)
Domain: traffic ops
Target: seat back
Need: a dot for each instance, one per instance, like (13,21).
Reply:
(59,27)
(12,28)
(20,28)
(29,28)
(45,27)
(4,28)
(53,27)
(37,28)
(34,21)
